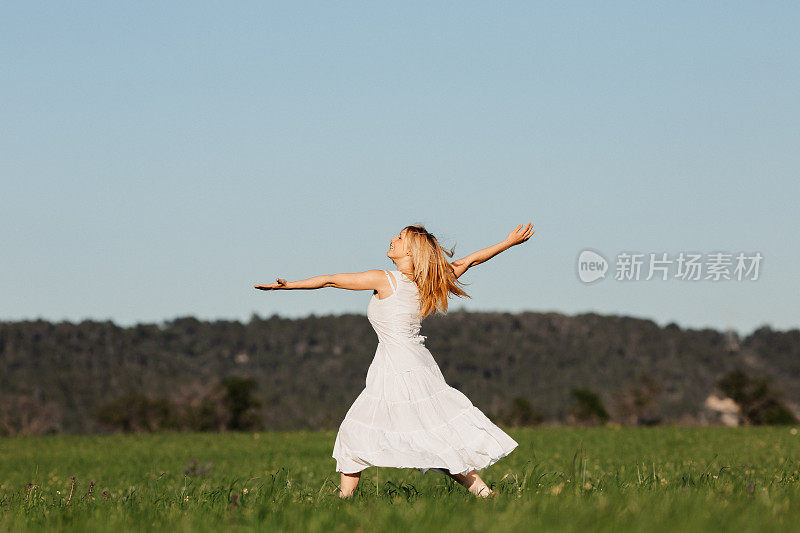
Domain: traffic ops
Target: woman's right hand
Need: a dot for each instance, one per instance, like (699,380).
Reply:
(279,284)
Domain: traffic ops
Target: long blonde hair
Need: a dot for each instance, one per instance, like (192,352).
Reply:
(433,273)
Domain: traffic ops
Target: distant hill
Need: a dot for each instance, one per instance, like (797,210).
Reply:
(309,370)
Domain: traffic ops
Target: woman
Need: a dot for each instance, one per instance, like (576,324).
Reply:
(407,416)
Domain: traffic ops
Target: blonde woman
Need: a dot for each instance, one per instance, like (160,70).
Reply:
(407,416)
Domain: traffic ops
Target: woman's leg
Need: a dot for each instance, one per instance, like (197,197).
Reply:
(473,483)
(348,484)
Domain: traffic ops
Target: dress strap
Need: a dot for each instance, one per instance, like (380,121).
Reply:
(393,285)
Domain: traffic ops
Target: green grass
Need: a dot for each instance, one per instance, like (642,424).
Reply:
(558,479)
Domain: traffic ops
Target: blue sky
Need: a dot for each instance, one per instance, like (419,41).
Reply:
(158,159)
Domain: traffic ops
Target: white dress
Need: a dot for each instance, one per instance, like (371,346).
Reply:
(408,416)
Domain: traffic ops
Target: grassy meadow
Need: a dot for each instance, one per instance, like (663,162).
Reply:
(558,479)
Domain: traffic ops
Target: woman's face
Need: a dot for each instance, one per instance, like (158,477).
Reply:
(397,246)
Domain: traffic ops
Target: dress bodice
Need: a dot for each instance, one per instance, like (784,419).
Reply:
(395,318)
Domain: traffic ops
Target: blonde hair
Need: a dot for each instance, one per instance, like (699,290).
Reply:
(433,273)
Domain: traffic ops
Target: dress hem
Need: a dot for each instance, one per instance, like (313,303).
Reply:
(424,469)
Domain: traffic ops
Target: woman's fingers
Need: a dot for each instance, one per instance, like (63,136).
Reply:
(517,234)
(279,283)
(522,234)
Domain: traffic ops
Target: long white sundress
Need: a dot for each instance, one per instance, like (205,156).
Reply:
(408,416)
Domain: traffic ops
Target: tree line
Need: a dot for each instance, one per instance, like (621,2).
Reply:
(278,373)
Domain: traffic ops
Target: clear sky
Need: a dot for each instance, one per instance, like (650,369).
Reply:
(157,159)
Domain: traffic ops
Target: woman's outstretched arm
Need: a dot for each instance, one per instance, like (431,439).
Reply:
(517,236)
(357,281)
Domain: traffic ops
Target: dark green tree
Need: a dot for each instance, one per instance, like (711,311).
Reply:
(588,407)
(136,412)
(521,413)
(760,403)
(239,400)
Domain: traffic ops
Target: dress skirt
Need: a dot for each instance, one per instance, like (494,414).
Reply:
(407,416)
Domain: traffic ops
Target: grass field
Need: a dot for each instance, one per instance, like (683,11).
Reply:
(558,479)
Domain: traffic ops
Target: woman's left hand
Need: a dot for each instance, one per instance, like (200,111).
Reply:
(520,234)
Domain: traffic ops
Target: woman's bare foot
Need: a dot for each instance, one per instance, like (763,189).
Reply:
(473,483)
(349,484)
(481,489)
(485,492)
